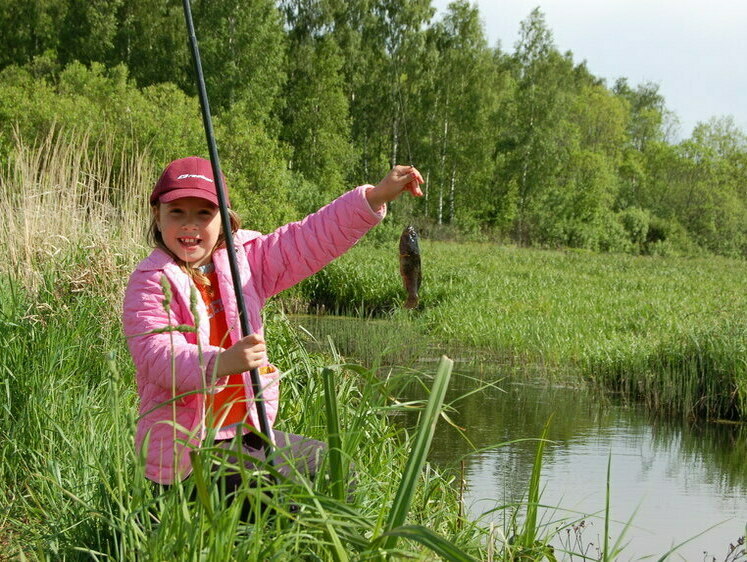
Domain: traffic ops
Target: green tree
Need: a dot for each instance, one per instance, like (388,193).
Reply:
(243,50)
(534,138)
(88,31)
(381,76)
(706,195)
(647,110)
(30,28)
(465,96)
(316,120)
(152,42)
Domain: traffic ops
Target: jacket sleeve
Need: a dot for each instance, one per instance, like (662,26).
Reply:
(165,359)
(300,249)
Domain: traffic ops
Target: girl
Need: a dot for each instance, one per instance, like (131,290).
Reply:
(194,383)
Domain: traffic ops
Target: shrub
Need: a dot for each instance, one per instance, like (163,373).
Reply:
(636,222)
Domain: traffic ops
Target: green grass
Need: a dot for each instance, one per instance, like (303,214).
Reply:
(72,487)
(668,331)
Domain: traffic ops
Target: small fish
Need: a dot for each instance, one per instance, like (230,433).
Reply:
(409,265)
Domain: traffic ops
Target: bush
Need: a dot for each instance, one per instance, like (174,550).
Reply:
(100,103)
(636,223)
(613,236)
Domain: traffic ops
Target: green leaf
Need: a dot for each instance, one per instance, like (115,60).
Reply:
(432,540)
(415,462)
(336,468)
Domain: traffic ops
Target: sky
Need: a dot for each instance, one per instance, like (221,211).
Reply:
(695,50)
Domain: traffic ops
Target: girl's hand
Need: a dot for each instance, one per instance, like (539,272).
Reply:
(393,184)
(248,353)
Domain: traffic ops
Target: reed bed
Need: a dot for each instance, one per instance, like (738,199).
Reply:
(77,204)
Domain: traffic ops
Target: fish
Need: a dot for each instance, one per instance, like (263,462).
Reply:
(409,265)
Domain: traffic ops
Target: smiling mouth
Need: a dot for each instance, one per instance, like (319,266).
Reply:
(189,242)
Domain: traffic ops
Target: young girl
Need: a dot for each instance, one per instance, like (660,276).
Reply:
(194,383)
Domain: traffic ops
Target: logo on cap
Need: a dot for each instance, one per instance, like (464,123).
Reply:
(200,176)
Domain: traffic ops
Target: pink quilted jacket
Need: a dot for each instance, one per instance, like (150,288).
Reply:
(172,364)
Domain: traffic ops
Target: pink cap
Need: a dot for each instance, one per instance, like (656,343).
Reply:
(186,177)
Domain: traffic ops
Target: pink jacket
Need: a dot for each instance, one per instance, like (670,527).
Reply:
(168,429)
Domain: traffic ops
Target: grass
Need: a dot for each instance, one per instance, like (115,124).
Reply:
(71,485)
(666,331)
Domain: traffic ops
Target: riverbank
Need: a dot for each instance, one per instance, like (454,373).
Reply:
(665,331)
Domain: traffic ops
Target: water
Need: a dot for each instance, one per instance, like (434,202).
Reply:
(670,481)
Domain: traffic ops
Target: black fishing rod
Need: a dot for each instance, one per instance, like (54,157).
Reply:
(264,426)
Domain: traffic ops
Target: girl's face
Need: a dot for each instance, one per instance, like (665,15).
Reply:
(190,227)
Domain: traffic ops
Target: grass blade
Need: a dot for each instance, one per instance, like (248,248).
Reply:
(605,549)
(432,540)
(336,468)
(415,462)
(529,533)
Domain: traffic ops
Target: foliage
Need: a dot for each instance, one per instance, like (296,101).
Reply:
(315,120)
(100,103)
(526,145)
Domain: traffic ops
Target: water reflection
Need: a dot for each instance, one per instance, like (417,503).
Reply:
(673,480)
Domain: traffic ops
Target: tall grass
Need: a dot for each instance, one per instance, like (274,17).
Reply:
(71,485)
(63,193)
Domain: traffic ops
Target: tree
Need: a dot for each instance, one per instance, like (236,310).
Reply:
(152,42)
(30,28)
(316,119)
(243,48)
(383,76)
(88,31)
(533,141)
(707,196)
(464,98)
(646,112)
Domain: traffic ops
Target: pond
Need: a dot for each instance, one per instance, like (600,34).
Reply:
(669,480)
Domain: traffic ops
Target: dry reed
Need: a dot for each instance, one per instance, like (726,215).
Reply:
(68,201)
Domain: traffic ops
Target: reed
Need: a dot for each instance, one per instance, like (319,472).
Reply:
(63,198)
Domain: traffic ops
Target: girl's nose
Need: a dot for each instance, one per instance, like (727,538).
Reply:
(190,221)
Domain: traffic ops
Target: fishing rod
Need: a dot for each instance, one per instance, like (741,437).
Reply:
(264,426)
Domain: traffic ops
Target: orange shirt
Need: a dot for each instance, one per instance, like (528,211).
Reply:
(228,406)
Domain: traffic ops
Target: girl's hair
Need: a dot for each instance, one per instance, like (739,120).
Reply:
(156,240)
